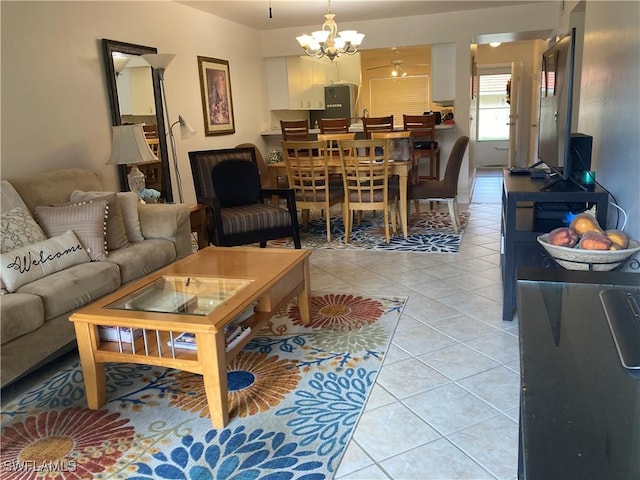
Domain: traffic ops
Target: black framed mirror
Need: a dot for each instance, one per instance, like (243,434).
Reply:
(135,97)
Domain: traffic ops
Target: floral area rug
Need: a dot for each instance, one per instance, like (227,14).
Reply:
(295,393)
(429,231)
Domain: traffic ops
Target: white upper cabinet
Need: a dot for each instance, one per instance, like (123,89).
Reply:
(443,72)
(297,83)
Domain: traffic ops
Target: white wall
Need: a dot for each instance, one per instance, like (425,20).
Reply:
(610,102)
(55,104)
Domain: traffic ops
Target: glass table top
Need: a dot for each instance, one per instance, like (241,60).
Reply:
(181,294)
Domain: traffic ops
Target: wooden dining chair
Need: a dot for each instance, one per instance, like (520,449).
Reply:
(331,143)
(308,174)
(377,124)
(367,186)
(447,188)
(423,129)
(294,129)
(334,125)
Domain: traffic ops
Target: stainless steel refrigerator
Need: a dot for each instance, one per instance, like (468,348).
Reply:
(340,102)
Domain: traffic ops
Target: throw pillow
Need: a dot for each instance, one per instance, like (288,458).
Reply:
(26,264)
(17,229)
(129,205)
(116,233)
(87,220)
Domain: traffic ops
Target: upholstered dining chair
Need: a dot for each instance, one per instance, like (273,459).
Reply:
(227,182)
(294,129)
(334,125)
(365,174)
(423,129)
(308,174)
(447,188)
(377,124)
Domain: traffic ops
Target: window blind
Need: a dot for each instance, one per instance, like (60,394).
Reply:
(397,96)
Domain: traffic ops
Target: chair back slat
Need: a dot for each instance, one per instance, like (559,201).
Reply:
(334,125)
(294,129)
(377,124)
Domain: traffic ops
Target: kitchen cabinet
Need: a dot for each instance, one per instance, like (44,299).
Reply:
(443,73)
(297,83)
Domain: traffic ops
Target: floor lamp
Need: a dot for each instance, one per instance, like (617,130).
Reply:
(159,62)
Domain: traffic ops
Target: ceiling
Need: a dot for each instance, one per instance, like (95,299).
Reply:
(297,13)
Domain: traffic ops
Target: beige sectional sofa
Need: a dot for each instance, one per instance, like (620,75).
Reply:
(67,259)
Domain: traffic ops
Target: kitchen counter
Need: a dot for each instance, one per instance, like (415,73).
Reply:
(356,127)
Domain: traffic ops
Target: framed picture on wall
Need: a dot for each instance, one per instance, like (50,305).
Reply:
(217,104)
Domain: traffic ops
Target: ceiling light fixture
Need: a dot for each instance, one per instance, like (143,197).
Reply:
(328,42)
(495,44)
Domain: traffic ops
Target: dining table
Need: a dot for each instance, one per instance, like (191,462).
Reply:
(396,167)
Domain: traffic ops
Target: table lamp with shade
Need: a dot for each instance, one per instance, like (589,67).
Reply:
(130,147)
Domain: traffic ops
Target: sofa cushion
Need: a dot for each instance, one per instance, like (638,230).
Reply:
(17,229)
(86,219)
(129,205)
(116,234)
(29,263)
(143,257)
(21,313)
(63,292)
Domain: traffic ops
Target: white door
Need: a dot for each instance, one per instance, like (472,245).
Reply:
(491,114)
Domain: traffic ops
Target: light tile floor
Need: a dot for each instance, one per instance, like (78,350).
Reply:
(445,404)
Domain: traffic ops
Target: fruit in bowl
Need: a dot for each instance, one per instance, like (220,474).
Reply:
(563,236)
(584,245)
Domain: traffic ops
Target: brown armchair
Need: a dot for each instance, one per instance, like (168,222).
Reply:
(228,183)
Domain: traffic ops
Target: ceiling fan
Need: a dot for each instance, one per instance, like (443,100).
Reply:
(398,67)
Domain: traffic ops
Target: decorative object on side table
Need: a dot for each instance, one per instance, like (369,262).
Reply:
(217,104)
(274,156)
(130,147)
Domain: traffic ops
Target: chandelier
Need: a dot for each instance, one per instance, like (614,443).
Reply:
(328,42)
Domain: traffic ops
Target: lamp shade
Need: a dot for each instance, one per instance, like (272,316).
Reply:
(129,146)
(186,130)
(159,61)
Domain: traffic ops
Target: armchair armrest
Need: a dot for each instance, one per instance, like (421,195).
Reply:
(167,221)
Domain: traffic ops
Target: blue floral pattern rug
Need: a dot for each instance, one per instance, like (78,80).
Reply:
(429,231)
(295,394)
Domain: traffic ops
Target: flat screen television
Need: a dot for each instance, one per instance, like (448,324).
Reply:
(556,102)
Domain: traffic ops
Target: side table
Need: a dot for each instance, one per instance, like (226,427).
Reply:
(199,224)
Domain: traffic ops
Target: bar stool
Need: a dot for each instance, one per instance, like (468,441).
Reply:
(423,129)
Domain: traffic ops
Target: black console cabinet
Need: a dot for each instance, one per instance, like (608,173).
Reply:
(520,227)
(579,406)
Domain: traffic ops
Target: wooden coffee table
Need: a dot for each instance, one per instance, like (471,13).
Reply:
(199,294)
